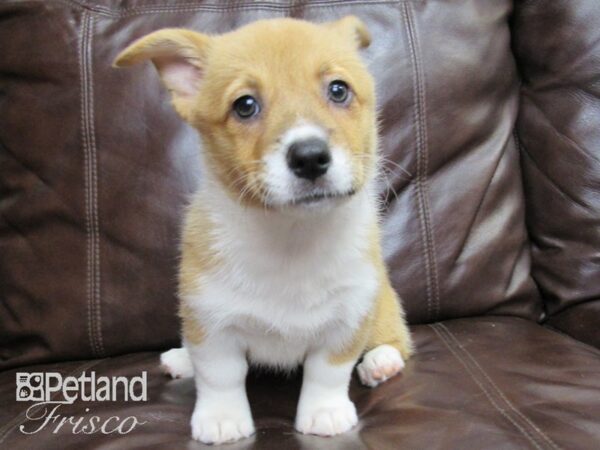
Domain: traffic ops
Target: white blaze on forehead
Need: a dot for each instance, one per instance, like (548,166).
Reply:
(302,132)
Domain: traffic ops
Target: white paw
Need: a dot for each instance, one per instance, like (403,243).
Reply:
(327,421)
(379,365)
(221,427)
(177,363)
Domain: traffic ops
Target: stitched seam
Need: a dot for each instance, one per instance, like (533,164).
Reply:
(20,418)
(89,175)
(261,4)
(90,186)
(421,188)
(479,383)
(88,220)
(425,166)
(95,207)
(499,391)
(90,237)
(157,9)
(417,138)
(233,9)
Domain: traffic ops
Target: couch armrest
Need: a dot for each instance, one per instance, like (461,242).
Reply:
(557,47)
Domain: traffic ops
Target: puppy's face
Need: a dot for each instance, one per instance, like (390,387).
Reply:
(285,108)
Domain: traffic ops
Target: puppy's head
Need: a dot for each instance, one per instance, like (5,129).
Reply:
(285,108)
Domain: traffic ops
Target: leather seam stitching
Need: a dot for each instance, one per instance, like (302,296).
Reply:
(548,440)
(96,221)
(85,139)
(421,185)
(418,174)
(490,397)
(127,12)
(425,163)
(90,187)
(90,174)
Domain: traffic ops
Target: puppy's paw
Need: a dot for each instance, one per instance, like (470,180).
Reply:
(327,421)
(222,426)
(379,365)
(177,363)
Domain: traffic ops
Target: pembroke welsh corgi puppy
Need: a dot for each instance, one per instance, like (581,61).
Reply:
(280,261)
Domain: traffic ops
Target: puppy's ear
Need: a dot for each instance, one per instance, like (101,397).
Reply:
(179,57)
(353,28)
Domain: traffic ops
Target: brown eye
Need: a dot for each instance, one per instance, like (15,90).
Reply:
(338,91)
(246,107)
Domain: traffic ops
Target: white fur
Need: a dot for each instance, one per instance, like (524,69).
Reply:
(177,363)
(379,364)
(287,284)
(301,131)
(292,286)
(222,412)
(324,407)
(284,187)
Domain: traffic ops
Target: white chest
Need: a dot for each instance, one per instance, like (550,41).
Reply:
(286,287)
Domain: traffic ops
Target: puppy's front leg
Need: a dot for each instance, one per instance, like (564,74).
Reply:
(324,407)
(222,412)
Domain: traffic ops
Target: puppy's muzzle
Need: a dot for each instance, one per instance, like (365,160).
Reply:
(309,158)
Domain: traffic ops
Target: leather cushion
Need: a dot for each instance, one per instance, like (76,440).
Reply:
(493,382)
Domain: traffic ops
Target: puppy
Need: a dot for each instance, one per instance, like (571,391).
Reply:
(280,261)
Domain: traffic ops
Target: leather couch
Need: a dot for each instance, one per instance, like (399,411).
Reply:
(490,126)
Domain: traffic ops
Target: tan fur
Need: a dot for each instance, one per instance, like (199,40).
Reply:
(191,329)
(389,325)
(385,323)
(197,257)
(256,60)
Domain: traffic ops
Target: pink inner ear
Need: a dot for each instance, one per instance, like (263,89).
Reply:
(180,76)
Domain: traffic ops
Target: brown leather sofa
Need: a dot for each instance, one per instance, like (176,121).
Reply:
(492,238)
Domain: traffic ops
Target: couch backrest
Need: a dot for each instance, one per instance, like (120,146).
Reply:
(96,167)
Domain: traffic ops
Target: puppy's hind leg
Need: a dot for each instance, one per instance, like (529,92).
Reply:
(177,363)
(390,344)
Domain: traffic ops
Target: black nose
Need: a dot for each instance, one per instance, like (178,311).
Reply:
(309,158)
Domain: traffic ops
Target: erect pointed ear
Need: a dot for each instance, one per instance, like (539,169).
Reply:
(179,57)
(353,28)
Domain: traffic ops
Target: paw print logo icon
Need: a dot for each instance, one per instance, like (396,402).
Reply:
(30,386)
